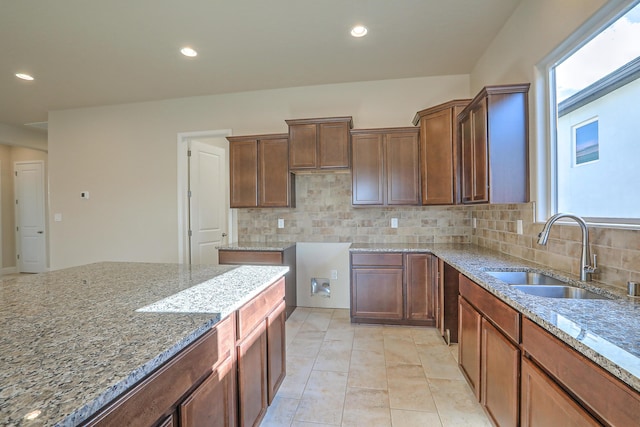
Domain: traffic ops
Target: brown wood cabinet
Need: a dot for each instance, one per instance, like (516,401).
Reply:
(385,166)
(181,386)
(319,144)
(260,257)
(439,152)
(494,135)
(572,377)
(225,378)
(259,171)
(252,376)
(544,403)
(393,288)
(488,351)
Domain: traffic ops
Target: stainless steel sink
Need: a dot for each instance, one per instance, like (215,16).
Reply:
(554,291)
(525,278)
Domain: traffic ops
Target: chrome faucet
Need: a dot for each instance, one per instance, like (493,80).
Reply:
(585,269)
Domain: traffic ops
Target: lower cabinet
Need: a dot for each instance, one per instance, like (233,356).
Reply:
(488,351)
(213,402)
(499,375)
(252,376)
(393,288)
(226,378)
(544,403)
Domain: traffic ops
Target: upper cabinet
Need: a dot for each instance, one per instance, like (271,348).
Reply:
(386,167)
(439,152)
(494,141)
(259,171)
(319,144)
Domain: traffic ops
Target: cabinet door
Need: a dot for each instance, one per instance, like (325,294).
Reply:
(500,367)
(469,343)
(274,174)
(402,168)
(466,142)
(480,161)
(213,402)
(376,293)
(243,160)
(276,349)
(437,145)
(545,404)
(367,174)
(333,145)
(302,146)
(421,288)
(252,377)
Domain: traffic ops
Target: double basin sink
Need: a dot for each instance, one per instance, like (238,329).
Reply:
(542,285)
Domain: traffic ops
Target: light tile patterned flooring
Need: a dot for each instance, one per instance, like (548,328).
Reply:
(343,374)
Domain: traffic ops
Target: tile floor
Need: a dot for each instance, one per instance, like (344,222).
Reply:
(342,374)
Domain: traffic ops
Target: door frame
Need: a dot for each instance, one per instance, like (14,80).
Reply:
(44,206)
(183,189)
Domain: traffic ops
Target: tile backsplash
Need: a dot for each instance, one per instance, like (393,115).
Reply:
(617,249)
(324,213)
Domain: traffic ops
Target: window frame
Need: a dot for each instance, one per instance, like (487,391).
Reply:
(546,135)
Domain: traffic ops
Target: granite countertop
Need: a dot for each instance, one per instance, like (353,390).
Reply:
(605,331)
(74,339)
(252,246)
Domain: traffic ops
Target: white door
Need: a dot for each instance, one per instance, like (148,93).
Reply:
(209,204)
(30,217)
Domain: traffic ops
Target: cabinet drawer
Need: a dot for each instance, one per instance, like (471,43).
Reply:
(250,257)
(255,311)
(147,402)
(504,317)
(609,398)
(376,259)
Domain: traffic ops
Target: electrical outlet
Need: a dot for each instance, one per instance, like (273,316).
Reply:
(334,274)
(394,222)
(519,226)
(474,222)
(280,223)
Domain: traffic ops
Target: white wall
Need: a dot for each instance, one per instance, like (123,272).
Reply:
(126,156)
(317,260)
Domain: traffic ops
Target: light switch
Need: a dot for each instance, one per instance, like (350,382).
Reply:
(84,195)
(394,222)
(519,226)
(474,222)
(280,223)
(57,217)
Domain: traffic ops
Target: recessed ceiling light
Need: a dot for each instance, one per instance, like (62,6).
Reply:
(187,51)
(24,76)
(359,31)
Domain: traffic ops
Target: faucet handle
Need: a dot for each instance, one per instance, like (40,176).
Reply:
(594,267)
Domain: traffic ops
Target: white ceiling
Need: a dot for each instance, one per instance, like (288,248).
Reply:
(96,52)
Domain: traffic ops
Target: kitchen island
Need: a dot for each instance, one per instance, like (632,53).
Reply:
(73,340)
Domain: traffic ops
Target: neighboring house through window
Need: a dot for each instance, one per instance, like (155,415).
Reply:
(597,146)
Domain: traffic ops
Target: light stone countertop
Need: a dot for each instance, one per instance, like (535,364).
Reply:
(605,331)
(251,246)
(72,340)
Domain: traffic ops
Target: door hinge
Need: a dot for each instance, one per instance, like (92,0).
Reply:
(189,193)
(16,201)
(16,172)
(188,153)
(190,233)
(18,255)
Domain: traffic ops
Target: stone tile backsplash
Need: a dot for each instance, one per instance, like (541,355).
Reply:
(618,249)
(323,213)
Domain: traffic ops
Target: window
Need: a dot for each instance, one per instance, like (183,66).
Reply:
(597,145)
(585,141)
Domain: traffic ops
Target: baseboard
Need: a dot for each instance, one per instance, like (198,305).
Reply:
(9,270)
